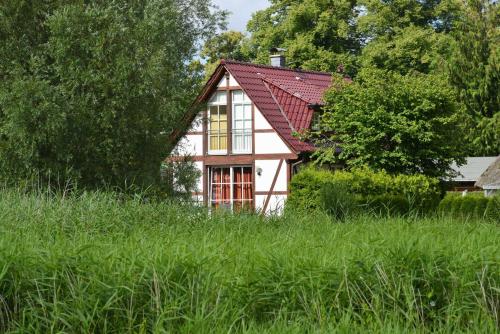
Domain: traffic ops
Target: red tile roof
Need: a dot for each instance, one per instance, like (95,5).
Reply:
(284,96)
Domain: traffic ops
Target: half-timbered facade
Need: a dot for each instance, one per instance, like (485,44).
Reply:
(242,139)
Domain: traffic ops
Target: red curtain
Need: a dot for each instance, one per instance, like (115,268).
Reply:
(242,187)
(221,187)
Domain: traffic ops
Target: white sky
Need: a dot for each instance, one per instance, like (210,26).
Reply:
(241,11)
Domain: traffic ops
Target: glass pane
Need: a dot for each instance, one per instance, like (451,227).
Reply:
(223,142)
(223,126)
(238,124)
(221,97)
(247,174)
(226,175)
(237,96)
(223,112)
(213,111)
(214,126)
(248,111)
(238,112)
(214,145)
(237,142)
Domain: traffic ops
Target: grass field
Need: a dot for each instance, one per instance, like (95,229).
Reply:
(95,264)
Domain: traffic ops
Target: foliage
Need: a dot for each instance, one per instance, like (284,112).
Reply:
(486,136)
(93,263)
(402,124)
(474,71)
(317,189)
(407,36)
(407,50)
(226,45)
(337,201)
(318,34)
(473,205)
(89,91)
(180,177)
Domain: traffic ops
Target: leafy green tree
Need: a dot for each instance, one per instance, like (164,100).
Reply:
(475,71)
(318,34)
(226,45)
(407,35)
(90,90)
(402,124)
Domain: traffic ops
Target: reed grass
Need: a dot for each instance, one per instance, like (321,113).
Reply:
(95,263)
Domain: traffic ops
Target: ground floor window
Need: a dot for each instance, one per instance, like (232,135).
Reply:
(231,188)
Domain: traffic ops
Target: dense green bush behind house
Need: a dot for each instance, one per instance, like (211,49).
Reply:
(375,191)
(473,205)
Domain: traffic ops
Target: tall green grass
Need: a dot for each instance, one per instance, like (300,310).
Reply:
(98,263)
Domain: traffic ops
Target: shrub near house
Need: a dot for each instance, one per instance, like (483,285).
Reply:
(377,192)
(473,205)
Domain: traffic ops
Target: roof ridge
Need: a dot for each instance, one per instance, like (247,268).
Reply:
(297,70)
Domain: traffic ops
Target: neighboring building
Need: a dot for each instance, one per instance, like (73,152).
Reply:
(470,172)
(243,141)
(490,179)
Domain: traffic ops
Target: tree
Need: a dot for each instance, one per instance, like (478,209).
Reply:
(90,90)
(474,71)
(226,45)
(403,124)
(318,34)
(407,35)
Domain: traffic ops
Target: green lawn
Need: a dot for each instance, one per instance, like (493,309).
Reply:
(94,263)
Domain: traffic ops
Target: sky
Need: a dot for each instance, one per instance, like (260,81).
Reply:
(241,11)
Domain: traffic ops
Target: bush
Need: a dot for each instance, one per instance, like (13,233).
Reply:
(473,205)
(388,204)
(492,210)
(378,191)
(336,200)
(305,188)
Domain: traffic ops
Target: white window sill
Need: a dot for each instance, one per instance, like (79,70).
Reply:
(217,152)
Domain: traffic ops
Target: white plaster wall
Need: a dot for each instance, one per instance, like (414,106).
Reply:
(222,82)
(189,145)
(264,181)
(269,143)
(260,122)
(275,206)
(232,81)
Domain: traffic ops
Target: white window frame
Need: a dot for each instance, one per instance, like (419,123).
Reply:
(215,102)
(231,185)
(246,132)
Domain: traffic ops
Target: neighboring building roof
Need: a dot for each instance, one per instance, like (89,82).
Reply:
(472,169)
(490,179)
(284,96)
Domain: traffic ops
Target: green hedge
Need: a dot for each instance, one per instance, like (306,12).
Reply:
(473,205)
(373,191)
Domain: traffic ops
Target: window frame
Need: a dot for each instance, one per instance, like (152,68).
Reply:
(218,104)
(231,184)
(245,132)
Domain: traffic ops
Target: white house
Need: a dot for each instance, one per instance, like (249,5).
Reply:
(242,140)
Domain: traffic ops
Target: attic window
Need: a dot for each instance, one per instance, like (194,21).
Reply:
(217,123)
(316,121)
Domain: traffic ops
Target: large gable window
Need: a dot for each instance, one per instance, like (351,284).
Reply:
(217,123)
(241,122)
